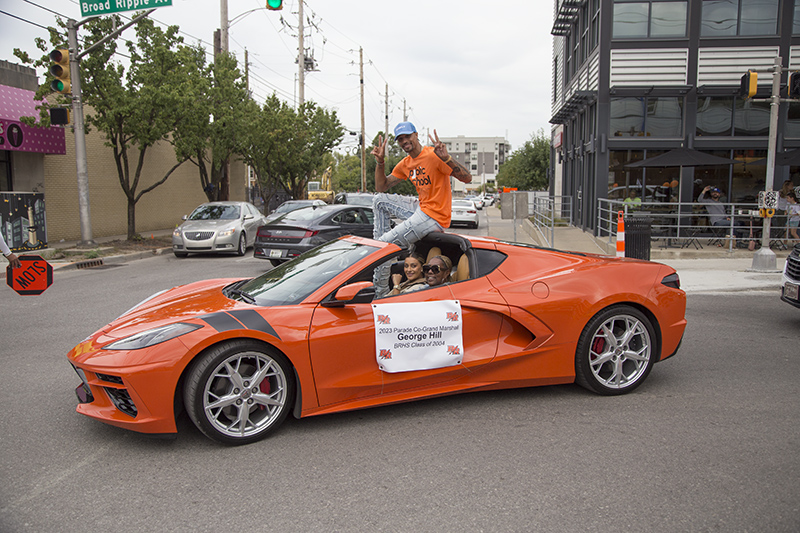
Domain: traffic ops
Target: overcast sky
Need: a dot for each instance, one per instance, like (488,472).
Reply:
(463,67)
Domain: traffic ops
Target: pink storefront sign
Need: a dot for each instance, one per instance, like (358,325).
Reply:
(16,136)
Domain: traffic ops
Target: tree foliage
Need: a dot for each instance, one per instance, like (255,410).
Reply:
(286,147)
(526,168)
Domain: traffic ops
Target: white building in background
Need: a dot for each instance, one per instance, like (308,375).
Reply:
(482,156)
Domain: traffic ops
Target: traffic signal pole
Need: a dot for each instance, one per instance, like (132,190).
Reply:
(764,259)
(79,132)
(78,125)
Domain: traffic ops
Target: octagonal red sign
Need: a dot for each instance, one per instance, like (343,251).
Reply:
(33,277)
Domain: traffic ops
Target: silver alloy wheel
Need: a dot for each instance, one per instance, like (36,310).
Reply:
(620,351)
(245,394)
(242,244)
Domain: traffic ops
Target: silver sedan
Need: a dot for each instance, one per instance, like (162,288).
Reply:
(464,212)
(217,227)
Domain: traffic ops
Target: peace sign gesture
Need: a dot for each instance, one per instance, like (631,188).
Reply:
(439,148)
(379,150)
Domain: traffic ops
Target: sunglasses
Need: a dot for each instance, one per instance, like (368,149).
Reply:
(431,268)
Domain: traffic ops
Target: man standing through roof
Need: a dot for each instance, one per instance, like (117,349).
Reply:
(429,168)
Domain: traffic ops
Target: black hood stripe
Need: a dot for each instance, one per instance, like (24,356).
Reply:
(252,320)
(242,318)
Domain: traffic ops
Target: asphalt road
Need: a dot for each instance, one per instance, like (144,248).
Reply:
(708,443)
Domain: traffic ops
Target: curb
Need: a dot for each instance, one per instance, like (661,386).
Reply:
(110,259)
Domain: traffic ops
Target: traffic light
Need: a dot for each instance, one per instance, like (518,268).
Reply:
(794,85)
(59,115)
(749,84)
(274,5)
(60,69)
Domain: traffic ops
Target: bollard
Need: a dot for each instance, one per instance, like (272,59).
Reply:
(620,234)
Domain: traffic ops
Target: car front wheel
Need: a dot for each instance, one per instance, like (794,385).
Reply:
(616,351)
(242,245)
(239,391)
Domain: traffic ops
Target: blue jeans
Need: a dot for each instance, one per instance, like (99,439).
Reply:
(414,227)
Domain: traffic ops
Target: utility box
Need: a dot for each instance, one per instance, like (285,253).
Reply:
(514,205)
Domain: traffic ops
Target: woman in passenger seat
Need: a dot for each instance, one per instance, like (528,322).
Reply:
(437,271)
(412,266)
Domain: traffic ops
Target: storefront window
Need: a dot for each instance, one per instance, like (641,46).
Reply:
(751,118)
(5,170)
(793,121)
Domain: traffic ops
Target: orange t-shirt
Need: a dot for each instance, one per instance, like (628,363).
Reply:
(431,176)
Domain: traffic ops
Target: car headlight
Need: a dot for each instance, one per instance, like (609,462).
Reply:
(176,233)
(227,232)
(152,337)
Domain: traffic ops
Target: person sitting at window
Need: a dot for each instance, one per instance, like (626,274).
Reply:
(437,271)
(412,266)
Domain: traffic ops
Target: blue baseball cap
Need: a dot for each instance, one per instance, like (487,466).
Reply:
(404,128)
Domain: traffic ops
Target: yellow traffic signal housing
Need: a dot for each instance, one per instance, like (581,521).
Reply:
(274,5)
(60,69)
(749,85)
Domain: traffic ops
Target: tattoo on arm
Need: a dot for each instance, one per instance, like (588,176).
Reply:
(460,172)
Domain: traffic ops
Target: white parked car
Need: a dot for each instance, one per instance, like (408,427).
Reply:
(475,200)
(464,212)
(217,227)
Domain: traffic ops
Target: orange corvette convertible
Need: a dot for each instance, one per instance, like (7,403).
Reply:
(316,335)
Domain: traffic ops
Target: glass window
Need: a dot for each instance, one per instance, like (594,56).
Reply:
(668,19)
(630,20)
(664,117)
(627,117)
(5,170)
(796,23)
(751,118)
(651,117)
(726,18)
(714,115)
(793,121)
(649,18)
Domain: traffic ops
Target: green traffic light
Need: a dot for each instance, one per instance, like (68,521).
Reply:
(274,4)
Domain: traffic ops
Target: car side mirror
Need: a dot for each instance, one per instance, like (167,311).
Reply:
(185,217)
(362,292)
(248,217)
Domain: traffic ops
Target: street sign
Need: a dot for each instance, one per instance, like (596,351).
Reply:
(33,277)
(91,8)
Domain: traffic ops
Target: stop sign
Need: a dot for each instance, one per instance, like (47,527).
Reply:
(33,277)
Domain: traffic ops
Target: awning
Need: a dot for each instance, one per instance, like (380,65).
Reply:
(18,137)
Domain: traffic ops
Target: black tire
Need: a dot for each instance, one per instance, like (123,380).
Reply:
(181,255)
(275,262)
(475,226)
(222,375)
(616,351)
(242,244)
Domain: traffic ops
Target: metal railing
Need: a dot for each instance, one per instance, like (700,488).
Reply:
(548,212)
(684,225)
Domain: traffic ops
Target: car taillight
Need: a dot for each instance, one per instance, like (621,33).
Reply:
(672,281)
(308,234)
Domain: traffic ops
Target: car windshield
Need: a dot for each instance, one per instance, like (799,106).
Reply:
(292,282)
(215,212)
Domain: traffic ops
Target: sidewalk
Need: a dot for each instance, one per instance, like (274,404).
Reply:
(705,270)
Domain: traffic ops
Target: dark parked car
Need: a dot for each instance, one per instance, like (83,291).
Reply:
(299,231)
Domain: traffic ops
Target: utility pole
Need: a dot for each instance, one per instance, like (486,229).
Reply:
(223,24)
(386,119)
(764,259)
(301,58)
(78,122)
(363,130)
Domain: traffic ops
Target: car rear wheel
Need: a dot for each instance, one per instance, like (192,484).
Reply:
(242,244)
(238,392)
(275,262)
(616,351)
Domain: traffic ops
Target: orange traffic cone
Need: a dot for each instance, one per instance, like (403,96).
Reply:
(620,234)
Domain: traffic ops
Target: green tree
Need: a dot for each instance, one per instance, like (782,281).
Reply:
(286,147)
(213,130)
(526,168)
(138,106)
(394,154)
